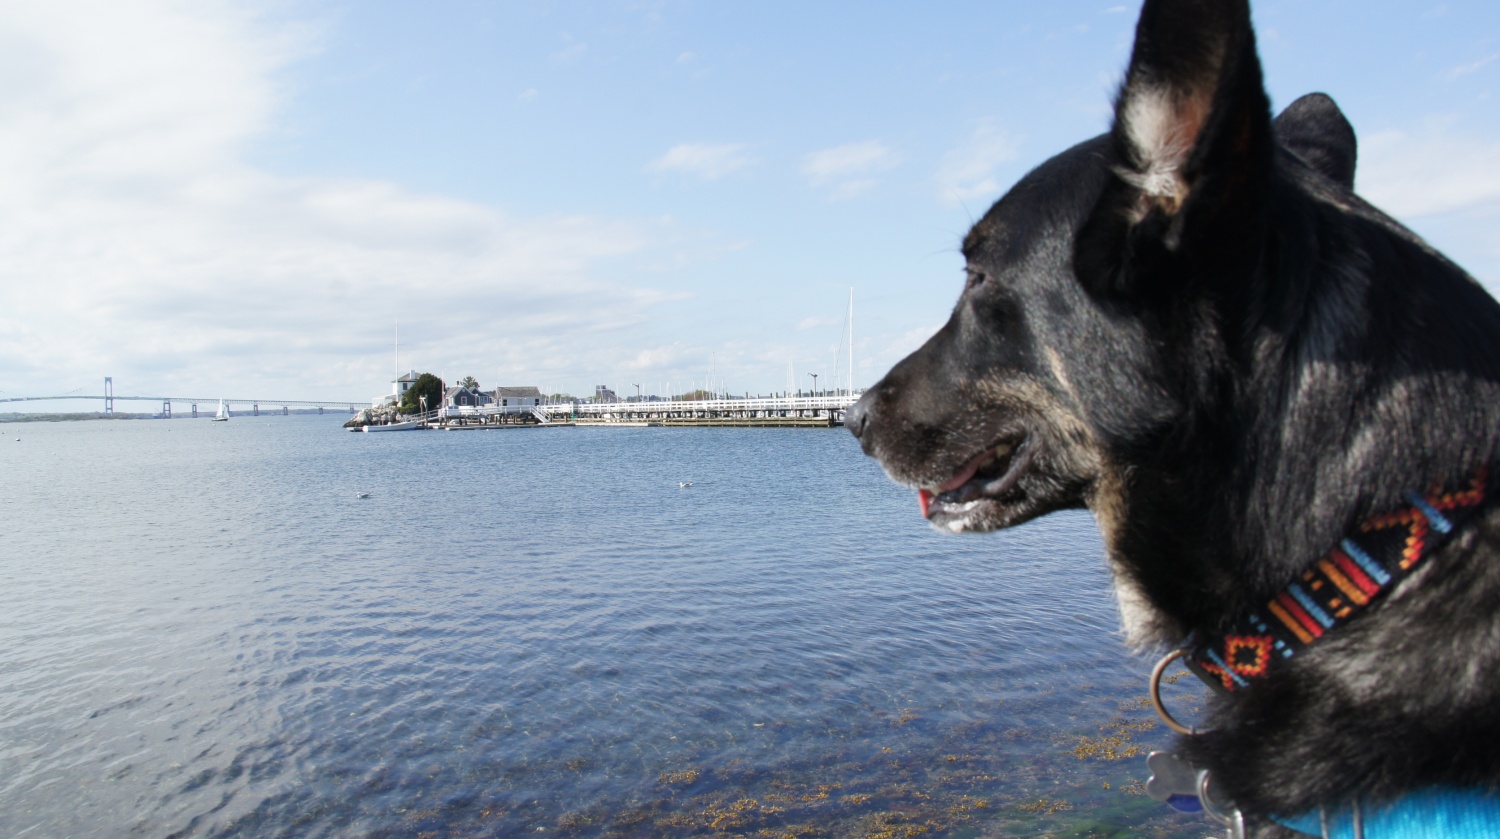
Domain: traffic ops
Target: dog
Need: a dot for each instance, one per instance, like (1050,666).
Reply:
(1194,328)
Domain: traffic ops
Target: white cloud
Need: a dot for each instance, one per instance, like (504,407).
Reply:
(705,161)
(136,241)
(817,323)
(665,358)
(875,355)
(849,159)
(971,171)
(846,170)
(1445,184)
(528,95)
(1433,172)
(1473,67)
(573,51)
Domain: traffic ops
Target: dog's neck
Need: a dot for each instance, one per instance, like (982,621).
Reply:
(1369,562)
(1226,512)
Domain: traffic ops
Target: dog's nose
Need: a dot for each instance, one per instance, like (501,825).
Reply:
(858,417)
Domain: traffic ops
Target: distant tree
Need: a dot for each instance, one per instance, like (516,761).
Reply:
(468,381)
(699,395)
(426,385)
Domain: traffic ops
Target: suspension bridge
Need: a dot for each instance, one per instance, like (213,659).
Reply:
(109,398)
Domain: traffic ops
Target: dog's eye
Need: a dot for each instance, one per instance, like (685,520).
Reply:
(976,277)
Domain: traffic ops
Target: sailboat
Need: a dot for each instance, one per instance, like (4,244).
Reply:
(222,415)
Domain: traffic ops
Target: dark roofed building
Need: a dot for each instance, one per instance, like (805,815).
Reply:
(465,397)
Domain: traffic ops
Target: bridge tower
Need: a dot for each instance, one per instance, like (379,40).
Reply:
(166,409)
(255,409)
(109,395)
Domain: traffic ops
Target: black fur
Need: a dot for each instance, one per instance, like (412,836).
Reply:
(1232,360)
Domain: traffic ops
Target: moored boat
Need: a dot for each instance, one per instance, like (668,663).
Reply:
(409,425)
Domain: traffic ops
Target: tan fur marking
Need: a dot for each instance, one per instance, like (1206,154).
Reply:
(1060,373)
(1142,623)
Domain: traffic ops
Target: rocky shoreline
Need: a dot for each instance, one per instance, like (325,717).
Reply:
(374,416)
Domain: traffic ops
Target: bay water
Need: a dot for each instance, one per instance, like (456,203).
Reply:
(206,631)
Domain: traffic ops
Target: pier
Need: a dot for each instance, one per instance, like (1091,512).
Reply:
(751,412)
(825,410)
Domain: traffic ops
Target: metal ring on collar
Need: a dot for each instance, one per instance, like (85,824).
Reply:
(1161,710)
(1233,819)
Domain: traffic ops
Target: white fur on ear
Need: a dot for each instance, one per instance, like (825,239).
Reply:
(1160,130)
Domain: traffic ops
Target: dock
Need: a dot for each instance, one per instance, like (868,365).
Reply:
(824,411)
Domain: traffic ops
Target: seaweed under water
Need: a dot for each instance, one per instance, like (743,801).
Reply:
(899,775)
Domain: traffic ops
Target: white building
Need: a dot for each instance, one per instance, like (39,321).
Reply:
(399,386)
(511,397)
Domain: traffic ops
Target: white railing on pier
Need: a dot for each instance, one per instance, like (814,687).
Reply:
(765,405)
(564,411)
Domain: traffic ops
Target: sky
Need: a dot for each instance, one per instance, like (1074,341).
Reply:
(242,199)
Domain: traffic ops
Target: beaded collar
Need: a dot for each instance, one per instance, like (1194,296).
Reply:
(1342,584)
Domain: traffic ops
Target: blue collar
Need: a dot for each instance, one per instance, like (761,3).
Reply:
(1441,811)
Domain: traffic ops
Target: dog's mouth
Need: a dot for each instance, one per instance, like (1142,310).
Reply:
(986,479)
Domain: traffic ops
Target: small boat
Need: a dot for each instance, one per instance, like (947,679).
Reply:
(395,426)
(222,415)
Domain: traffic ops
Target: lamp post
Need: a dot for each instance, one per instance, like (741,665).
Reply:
(815,383)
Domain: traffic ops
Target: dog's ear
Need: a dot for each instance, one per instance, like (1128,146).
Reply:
(1317,131)
(1193,151)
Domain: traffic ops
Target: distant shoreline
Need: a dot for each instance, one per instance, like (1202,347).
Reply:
(78,416)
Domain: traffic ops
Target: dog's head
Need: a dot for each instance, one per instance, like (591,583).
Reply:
(998,417)
(1113,306)
(1052,364)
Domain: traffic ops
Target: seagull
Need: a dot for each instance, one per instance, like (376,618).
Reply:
(362,495)
(684,484)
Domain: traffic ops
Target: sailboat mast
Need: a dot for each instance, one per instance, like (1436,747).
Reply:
(851,341)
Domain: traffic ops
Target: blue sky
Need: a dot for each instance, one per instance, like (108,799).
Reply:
(240,199)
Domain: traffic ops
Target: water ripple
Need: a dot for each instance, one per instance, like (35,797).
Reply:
(203,633)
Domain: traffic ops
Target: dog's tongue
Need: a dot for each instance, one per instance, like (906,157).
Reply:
(924,500)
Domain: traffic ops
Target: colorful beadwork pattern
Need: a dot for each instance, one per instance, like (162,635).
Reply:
(1338,587)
